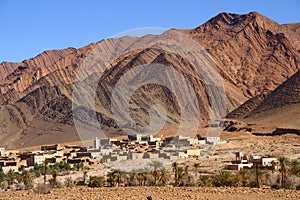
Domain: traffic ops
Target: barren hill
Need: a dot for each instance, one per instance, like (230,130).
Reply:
(281,107)
(252,53)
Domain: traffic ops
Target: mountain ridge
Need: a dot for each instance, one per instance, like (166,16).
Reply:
(253,54)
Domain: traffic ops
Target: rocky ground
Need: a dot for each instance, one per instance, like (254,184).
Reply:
(155,193)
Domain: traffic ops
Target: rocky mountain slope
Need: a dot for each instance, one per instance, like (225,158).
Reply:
(252,53)
(256,53)
(279,108)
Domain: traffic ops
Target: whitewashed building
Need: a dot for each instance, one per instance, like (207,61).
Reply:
(2,151)
(212,140)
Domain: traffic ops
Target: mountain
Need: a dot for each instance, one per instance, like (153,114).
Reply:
(251,50)
(280,107)
(252,53)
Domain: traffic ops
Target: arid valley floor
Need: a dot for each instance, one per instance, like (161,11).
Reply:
(155,193)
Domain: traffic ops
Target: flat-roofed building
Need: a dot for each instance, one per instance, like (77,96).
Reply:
(212,140)
(193,152)
(39,159)
(50,147)
(240,166)
(268,161)
(2,151)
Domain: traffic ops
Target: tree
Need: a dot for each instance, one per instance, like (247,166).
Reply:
(69,182)
(18,177)
(80,166)
(132,178)
(120,177)
(2,177)
(54,172)
(145,176)
(247,177)
(85,171)
(205,181)
(63,165)
(26,178)
(37,170)
(180,176)
(10,177)
(175,170)
(226,178)
(294,167)
(45,163)
(155,165)
(111,178)
(196,166)
(142,177)
(258,174)
(164,176)
(187,177)
(96,181)
(283,164)
(115,177)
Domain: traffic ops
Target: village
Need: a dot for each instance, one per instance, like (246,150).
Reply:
(146,160)
(110,151)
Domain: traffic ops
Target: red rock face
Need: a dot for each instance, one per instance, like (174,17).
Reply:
(253,53)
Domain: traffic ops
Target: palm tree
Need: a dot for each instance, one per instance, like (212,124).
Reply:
(258,174)
(2,177)
(111,178)
(175,170)
(120,176)
(116,177)
(18,177)
(187,177)
(145,177)
(164,176)
(85,171)
(80,166)
(27,179)
(246,177)
(196,166)
(96,181)
(54,172)
(180,176)
(226,178)
(282,163)
(10,177)
(142,176)
(45,163)
(295,167)
(131,178)
(155,172)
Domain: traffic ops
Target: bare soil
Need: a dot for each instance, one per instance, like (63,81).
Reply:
(139,193)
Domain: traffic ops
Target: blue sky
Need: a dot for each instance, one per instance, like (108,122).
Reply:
(30,27)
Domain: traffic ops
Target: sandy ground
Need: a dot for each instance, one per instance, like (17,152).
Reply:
(139,193)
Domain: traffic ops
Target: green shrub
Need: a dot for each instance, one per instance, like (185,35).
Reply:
(226,179)
(205,181)
(54,183)
(69,182)
(96,181)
